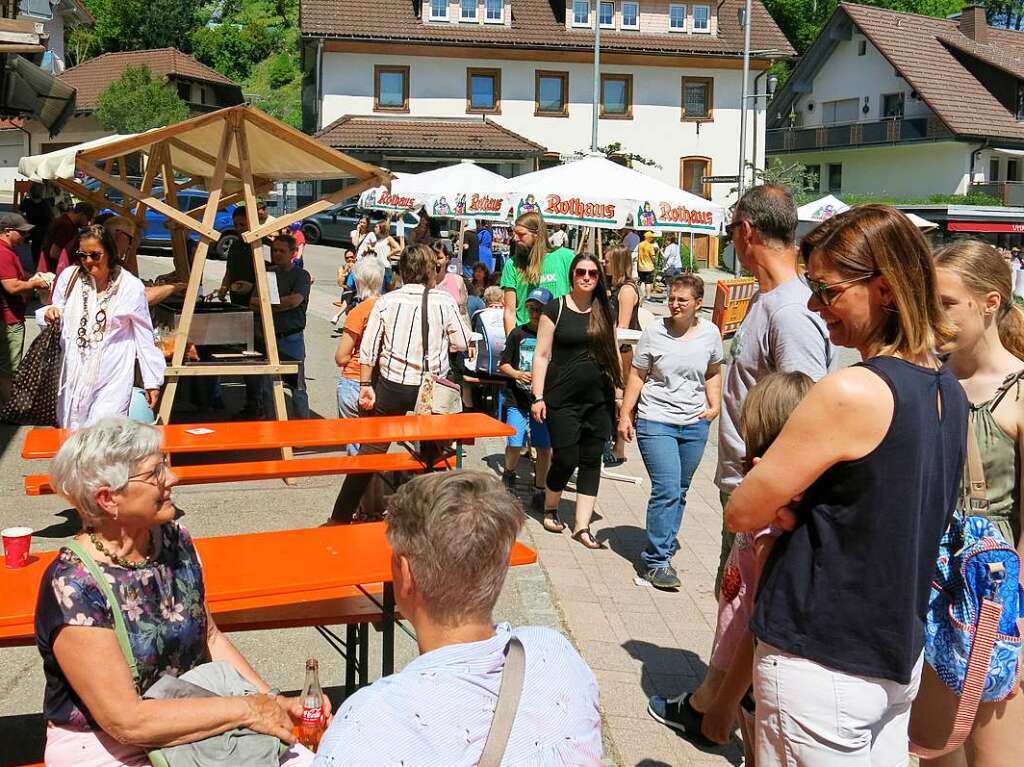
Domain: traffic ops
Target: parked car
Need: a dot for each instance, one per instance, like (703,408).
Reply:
(336,224)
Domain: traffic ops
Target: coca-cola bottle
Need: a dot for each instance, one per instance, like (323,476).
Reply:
(312,725)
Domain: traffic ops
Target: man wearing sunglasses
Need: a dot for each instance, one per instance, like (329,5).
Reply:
(15,285)
(779,333)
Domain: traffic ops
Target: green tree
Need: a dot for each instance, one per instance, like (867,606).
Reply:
(131,25)
(138,102)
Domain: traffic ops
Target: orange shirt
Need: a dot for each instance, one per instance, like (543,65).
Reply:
(355,326)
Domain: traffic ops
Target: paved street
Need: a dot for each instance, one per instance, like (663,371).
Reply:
(637,640)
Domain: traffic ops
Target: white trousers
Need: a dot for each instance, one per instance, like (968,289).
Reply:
(809,715)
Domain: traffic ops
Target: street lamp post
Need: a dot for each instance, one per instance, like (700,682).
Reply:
(597,74)
(741,182)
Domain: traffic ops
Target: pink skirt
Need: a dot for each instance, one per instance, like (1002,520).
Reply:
(77,747)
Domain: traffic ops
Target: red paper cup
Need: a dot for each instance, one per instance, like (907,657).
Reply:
(17,541)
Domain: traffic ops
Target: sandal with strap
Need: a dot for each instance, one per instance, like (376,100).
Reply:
(552,523)
(586,538)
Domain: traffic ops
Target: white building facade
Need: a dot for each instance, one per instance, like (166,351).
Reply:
(677,104)
(865,114)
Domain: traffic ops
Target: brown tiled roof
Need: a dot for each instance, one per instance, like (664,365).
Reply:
(535,24)
(454,134)
(921,48)
(91,77)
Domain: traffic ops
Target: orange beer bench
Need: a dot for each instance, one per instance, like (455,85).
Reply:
(262,435)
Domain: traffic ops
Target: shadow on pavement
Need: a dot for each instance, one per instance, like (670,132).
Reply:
(625,540)
(71,525)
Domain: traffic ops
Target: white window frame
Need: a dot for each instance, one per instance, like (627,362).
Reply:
(600,6)
(694,28)
(487,12)
(636,5)
(590,11)
(438,18)
(671,8)
(476,12)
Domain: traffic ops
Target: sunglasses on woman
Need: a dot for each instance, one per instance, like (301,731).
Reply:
(591,273)
(86,255)
(825,291)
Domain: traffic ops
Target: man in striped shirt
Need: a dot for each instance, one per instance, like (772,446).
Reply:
(392,346)
(451,534)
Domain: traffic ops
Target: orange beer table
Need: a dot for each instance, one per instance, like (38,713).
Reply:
(258,435)
(269,571)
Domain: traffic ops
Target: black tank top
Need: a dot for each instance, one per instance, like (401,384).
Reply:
(848,588)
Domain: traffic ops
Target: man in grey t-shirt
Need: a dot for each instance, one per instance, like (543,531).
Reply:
(779,333)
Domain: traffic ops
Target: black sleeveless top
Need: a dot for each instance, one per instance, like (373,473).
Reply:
(848,588)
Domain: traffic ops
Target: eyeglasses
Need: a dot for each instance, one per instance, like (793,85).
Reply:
(157,476)
(85,255)
(591,273)
(730,229)
(824,292)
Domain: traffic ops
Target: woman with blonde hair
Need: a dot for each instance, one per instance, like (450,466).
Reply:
(986,356)
(531,266)
(625,303)
(871,460)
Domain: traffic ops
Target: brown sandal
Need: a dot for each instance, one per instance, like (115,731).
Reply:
(557,526)
(586,538)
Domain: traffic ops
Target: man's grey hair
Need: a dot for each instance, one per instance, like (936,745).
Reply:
(369,274)
(770,209)
(102,455)
(456,529)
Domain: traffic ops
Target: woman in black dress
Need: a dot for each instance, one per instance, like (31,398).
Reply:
(576,370)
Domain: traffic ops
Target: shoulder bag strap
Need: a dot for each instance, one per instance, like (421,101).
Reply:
(507,705)
(977,487)
(120,630)
(424,322)
(561,303)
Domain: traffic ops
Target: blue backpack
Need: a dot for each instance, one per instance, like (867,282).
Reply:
(971,635)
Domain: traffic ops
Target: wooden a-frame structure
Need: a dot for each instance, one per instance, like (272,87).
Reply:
(236,154)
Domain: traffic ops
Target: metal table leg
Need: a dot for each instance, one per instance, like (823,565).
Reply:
(364,654)
(351,658)
(388,632)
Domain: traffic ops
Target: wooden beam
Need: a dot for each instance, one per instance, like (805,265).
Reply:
(324,203)
(202,156)
(91,196)
(266,316)
(230,199)
(254,369)
(310,145)
(156,204)
(149,138)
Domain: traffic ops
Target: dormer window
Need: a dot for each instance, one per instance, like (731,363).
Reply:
(607,14)
(630,15)
(495,11)
(677,18)
(581,13)
(1020,100)
(702,19)
(467,10)
(439,10)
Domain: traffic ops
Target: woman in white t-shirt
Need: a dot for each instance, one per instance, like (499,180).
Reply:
(676,379)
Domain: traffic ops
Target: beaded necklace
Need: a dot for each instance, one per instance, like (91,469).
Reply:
(119,561)
(90,338)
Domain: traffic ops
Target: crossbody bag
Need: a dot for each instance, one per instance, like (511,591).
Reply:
(509,693)
(437,395)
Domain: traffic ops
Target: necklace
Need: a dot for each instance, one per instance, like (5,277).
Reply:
(119,561)
(89,338)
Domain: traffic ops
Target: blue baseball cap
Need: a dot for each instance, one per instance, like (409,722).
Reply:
(540,295)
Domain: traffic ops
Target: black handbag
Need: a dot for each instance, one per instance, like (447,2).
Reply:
(35,386)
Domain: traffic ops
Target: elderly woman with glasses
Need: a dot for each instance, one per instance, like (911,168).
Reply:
(105,329)
(117,479)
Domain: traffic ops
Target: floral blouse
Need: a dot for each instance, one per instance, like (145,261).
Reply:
(164,607)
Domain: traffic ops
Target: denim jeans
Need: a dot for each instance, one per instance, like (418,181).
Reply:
(671,454)
(348,405)
(259,389)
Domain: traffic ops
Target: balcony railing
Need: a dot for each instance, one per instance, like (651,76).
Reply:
(892,131)
(1010,192)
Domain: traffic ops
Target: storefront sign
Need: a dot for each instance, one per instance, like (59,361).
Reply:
(1011,227)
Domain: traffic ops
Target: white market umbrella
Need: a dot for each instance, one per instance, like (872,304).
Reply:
(61,162)
(599,193)
(821,210)
(462,191)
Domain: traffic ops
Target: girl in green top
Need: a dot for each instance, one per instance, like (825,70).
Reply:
(532,266)
(987,356)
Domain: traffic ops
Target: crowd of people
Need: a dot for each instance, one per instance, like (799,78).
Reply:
(836,485)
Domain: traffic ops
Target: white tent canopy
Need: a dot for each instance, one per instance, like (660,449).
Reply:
(462,191)
(597,192)
(61,162)
(821,210)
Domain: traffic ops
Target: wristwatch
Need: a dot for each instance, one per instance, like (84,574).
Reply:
(534,399)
